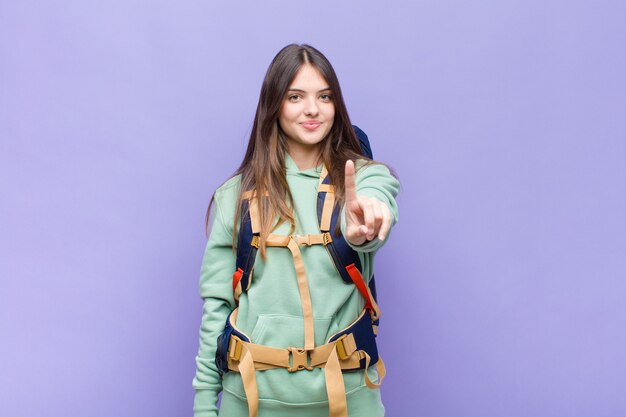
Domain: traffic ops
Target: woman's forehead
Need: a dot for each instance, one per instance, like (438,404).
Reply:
(309,78)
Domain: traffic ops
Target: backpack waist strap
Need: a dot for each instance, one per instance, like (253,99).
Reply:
(341,354)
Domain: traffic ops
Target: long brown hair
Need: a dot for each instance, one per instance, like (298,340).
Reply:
(263,166)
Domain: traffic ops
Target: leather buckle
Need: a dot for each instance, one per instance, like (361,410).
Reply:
(299,359)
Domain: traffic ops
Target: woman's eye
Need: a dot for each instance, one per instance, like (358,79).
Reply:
(294,98)
(326,97)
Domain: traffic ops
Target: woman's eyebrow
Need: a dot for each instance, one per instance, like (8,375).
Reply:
(302,91)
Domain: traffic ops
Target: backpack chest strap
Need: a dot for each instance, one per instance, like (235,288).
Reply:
(307,240)
(293,244)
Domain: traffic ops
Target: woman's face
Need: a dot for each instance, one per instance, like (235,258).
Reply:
(308,111)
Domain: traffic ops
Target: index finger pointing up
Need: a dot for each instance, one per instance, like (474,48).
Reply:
(350,183)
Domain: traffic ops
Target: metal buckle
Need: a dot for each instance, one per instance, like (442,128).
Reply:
(341,349)
(299,359)
(234,350)
(327,238)
(255,241)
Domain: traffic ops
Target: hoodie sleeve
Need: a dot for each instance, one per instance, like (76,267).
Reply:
(216,290)
(375,181)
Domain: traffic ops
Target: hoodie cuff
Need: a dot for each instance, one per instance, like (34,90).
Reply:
(205,403)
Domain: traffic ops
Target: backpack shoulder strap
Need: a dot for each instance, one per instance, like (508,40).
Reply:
(364,142)
(247,244)
(367,151)
(346,259)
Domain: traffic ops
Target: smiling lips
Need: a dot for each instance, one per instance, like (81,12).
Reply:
(311,125)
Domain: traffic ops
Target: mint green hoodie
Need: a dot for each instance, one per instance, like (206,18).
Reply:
(270,312)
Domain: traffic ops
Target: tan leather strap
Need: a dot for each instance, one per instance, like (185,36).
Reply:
(326,188)
(308,240)
(253,206)
(267,357)
(375,314)
(305,295)
(380,368)
(329,202)
(327,211)
(293,243)
(248,376)
(323,175)
(335,388)
(246,357)
(238,290)
(255,219)
(247,195)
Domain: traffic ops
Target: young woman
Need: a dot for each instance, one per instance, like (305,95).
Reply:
(280,360)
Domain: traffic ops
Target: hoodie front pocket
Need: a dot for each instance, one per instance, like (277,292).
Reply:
(284,330)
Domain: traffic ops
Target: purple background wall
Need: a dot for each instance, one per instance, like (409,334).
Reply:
(503,287)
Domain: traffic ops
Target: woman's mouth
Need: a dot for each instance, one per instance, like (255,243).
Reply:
(311,125)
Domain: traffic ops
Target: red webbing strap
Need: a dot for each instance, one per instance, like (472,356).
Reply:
(237,277)
(357,278)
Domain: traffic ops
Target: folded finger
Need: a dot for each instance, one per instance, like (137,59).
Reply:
(378,216)
(386,224)
(368,216)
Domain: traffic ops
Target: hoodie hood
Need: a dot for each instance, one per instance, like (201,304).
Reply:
(292,169)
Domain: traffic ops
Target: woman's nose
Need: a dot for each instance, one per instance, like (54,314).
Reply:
(311,107)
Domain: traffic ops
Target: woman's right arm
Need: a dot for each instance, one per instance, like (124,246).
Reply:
(216,290)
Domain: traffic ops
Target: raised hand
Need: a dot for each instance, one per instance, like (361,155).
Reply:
(366,217)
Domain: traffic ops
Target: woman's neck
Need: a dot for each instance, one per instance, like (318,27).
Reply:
(305,157)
